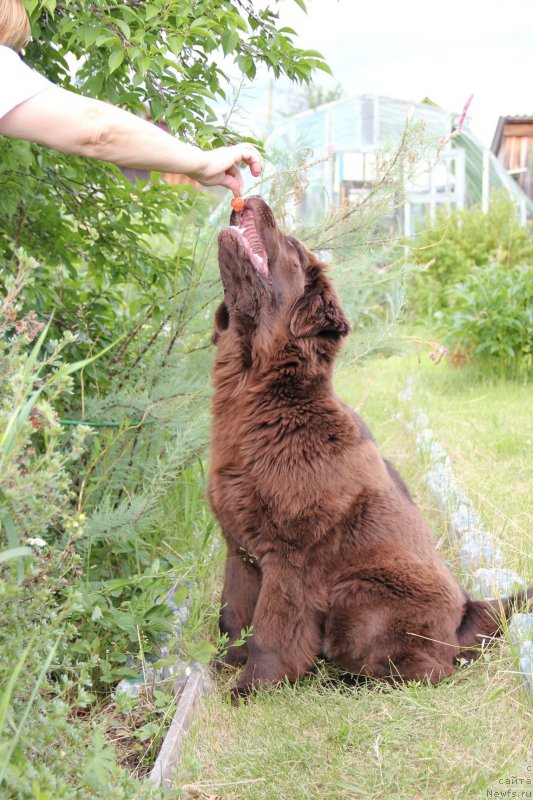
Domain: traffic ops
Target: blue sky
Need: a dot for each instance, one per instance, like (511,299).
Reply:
(413,49)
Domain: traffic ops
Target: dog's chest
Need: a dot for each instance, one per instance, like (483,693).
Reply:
(280,470)
(292,503)
(236,500)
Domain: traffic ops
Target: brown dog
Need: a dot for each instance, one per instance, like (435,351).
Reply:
(327,553)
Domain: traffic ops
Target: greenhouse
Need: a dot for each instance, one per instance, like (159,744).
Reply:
(346,137)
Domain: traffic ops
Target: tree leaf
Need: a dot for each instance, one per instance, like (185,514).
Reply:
(115,60)
(229,41)
(202,652)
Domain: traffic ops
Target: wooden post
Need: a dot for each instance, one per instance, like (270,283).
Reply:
(485,181)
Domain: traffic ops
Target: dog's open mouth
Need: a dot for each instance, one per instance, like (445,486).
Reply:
(247,229)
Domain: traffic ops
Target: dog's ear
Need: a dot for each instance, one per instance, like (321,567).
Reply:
(221,321)
(318,312)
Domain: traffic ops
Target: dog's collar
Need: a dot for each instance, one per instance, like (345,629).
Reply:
(247,557)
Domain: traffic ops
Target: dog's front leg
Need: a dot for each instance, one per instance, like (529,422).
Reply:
(286,635)
(242,582)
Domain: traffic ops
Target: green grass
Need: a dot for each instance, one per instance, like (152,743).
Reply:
(183,539)
(321,741)
(324,742)
(485,427)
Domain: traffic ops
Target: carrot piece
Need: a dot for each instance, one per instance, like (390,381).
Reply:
(237,204)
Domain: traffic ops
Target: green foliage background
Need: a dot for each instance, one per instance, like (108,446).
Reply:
(450,246)
(490,319)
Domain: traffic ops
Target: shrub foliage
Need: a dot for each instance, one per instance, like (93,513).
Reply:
(473,283)
(490,318)
(447,250)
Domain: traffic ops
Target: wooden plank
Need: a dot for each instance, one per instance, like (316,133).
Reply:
(197,684)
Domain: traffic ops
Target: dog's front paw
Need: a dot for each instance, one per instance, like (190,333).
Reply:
(256,676)
(241,694)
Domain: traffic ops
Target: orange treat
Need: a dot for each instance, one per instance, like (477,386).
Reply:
(237,204)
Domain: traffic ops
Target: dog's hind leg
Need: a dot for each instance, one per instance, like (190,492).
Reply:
(286,627)
(393,625)
(242,582)
(369,646)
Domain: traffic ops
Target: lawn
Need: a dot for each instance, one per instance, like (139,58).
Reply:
(462,739)
(485,427)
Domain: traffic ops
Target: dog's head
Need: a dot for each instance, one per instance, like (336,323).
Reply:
(274,287)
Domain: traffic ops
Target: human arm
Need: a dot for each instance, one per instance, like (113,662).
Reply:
(83,126)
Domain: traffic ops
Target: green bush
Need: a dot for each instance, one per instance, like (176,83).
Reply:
(50,747)
(45,680)
(490,318)
(454,244)
(81,219)
(82,594)
(35,490)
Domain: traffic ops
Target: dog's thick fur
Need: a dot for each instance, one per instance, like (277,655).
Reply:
(326,552)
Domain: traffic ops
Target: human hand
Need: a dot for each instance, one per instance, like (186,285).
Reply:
(219,167)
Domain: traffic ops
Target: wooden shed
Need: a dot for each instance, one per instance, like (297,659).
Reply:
(513,147)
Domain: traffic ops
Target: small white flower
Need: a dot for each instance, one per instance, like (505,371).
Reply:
(36,541)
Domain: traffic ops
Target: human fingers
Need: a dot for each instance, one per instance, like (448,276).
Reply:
(251,156)
(232,179)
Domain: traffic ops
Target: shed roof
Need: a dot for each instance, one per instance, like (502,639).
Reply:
(520,119)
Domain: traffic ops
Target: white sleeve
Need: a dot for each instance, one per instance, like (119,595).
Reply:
(18,82)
